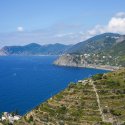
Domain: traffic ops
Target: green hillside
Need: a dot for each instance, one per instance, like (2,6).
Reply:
(95,44)
(118,51)
(115,56)
(99,100)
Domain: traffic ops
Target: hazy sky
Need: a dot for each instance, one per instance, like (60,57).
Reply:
(62,21)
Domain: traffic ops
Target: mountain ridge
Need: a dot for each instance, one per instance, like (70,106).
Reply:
(88,45)
(35,49)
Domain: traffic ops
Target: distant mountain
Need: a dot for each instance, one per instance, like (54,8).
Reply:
(95,44)
(35,49)
(105,49)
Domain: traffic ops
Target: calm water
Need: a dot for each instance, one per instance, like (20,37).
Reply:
(25,82)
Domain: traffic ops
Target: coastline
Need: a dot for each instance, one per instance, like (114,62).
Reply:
(104,67)
(92,66)
(78,61)
(26,55)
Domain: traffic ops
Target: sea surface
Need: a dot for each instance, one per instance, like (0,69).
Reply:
(25,82)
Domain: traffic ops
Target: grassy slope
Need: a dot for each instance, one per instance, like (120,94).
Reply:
(77,104)
(119,51)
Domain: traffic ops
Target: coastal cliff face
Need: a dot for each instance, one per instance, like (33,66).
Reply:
(87,61)
(70,60)
(95,101)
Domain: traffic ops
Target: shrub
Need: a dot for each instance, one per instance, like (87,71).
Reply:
(30,119)
(59,96)
(105,111)
(97,77)
(62,110)
(115,112)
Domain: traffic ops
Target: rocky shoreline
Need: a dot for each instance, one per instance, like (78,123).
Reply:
(69,61)
(102,67)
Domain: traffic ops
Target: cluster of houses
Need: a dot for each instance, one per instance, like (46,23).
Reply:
(10,117)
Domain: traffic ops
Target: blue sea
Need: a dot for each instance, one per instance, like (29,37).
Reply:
(25,82)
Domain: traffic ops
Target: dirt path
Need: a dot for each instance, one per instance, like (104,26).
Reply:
(98,101)
(104,119)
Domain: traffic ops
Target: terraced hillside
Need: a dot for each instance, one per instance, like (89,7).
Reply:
(111,91)
(99,100)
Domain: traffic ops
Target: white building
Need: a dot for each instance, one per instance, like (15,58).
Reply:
(3,118)
(8,116)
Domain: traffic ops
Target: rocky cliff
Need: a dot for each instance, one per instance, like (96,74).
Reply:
(70,60)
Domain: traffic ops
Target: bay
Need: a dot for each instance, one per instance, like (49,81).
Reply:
(27,81)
